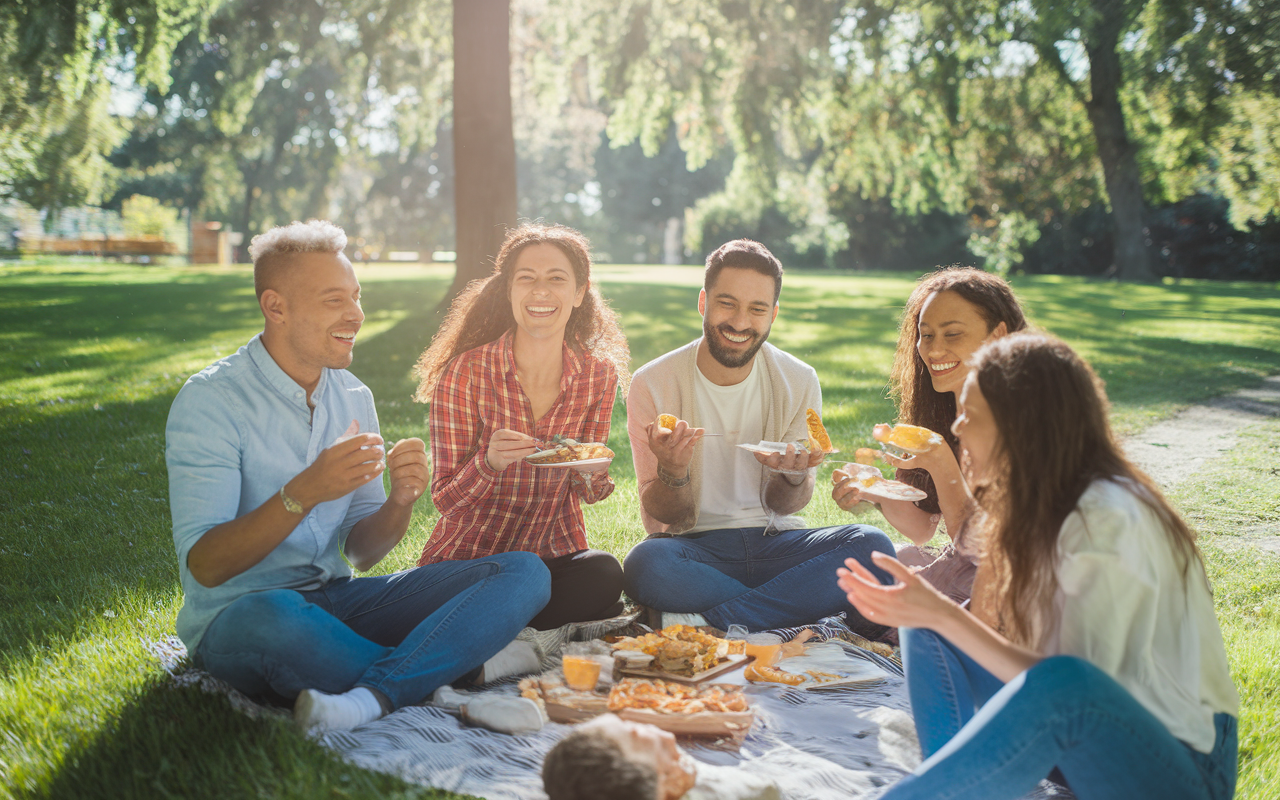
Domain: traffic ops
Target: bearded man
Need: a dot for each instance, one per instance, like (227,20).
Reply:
(725,545)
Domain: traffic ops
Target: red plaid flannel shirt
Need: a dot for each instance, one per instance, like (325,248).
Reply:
(522,507)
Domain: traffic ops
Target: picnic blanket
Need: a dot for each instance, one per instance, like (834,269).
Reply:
(822,744)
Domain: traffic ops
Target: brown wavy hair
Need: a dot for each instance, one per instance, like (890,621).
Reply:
(1054,440)
(910,385)
(481,313)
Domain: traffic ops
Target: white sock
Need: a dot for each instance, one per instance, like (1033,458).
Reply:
(517,658)
(670,618)
(318,712)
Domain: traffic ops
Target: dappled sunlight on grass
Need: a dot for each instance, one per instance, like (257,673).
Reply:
(91,357)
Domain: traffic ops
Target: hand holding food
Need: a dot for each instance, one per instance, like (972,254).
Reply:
(507,447)
(847,490)
(795,459)
(672,446)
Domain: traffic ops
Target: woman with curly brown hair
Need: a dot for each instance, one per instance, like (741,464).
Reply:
(951,313)
(530,353)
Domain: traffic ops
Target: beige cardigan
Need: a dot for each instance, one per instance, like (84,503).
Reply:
(665,386)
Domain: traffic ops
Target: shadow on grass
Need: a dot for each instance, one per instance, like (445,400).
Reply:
(168,742)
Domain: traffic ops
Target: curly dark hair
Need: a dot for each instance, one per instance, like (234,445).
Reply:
(910,385)
(482,312)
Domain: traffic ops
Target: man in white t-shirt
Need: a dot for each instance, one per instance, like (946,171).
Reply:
(724,539)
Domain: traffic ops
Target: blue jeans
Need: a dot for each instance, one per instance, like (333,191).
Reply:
(984,739)
(403,635)
(739,575)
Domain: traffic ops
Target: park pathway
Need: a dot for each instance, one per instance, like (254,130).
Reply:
(1173,450)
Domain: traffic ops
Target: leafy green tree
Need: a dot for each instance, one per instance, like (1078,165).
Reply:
(147,216)
(58,58)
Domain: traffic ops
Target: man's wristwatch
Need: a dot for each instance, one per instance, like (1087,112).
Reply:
(290,505)
(670,480)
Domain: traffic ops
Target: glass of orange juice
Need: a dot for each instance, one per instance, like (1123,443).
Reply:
(764,646)
(581,672)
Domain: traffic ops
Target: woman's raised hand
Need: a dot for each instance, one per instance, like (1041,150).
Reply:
(911,602)
(507,447)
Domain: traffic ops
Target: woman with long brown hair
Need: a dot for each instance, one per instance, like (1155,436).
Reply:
(1105,659)
(529,353)
(951,313)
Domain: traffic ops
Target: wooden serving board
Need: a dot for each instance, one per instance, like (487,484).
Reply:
(579,712)
(704,723)
(731,662)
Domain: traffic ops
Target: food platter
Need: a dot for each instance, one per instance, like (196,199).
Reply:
(732,662)
(708,710)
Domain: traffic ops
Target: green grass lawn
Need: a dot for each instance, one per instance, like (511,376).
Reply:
(92,355)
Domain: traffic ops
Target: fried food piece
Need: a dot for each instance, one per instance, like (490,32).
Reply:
(762,672)
(866,455)
(908,437)
(821,677)
(667,421)
(674,698)
(819,441)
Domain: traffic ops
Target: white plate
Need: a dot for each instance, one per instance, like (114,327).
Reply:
(586,462)
(769,448)
(893,490)
(829,657)
(883,489)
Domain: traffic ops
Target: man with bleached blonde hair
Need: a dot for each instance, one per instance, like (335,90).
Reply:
(275,466)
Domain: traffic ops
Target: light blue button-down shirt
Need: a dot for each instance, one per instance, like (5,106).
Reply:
(238,431)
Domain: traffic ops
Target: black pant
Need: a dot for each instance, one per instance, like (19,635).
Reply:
(585,585)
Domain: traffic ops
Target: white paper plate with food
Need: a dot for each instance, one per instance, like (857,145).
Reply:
(822,664)
(571,455)
(876,487)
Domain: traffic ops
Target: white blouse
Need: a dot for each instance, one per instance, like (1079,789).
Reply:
(1124,606)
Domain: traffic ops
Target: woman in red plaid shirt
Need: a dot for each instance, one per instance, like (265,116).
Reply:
(530,352)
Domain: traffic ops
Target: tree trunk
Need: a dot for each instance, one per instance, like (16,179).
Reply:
(1117,152)
(484,149)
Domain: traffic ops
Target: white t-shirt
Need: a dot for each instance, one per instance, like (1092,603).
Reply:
(731,476)
(1124,606)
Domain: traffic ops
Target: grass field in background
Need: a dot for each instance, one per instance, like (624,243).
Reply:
(91,356)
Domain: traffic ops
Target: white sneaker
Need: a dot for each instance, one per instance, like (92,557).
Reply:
(504,714)
(517,658)
(670,618)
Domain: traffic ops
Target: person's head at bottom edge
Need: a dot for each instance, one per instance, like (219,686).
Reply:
(611,757)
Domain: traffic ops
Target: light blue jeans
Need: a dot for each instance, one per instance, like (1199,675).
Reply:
(986,740)
(403,635)
(739,575)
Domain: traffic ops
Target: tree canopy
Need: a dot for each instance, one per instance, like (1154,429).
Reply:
(855,133)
